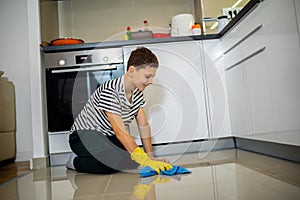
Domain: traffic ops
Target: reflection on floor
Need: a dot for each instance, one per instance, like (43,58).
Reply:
(13,170)
(227,174)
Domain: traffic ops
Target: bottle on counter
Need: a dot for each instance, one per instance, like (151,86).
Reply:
(127,34)
(145,25)
(196,29)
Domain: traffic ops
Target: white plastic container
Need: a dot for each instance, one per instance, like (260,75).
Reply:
(182,25)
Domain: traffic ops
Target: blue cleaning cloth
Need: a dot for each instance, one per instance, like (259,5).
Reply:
(148,171)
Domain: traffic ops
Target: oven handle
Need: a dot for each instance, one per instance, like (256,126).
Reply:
(84,69)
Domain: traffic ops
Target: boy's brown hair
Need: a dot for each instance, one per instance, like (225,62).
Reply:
(141,58)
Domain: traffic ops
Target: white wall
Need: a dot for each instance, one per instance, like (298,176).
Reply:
(20,60)
(99,20)
(49,20)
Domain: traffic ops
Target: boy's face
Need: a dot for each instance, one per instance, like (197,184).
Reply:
(144,77)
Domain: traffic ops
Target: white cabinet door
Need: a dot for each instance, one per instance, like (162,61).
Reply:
(236,83)
(270,79)
(284,61)
(257,77)
(216,89)
(238,101)
(175,101)
(273,76)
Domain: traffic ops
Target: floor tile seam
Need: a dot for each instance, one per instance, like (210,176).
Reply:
(107,185)
(114,194)
(104,195)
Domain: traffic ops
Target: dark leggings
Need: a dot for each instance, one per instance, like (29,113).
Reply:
(99,154)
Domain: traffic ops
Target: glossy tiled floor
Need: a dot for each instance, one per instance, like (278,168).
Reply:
(220,175)
(10,171)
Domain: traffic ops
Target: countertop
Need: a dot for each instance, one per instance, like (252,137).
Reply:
(120,43)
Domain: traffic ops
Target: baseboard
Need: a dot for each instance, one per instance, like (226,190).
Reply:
(204,145)
(283,151)
(278,150)
(23,156)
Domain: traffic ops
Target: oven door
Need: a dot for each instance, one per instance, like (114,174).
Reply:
(68,89)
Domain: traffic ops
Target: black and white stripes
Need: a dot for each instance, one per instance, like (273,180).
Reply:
(109,97)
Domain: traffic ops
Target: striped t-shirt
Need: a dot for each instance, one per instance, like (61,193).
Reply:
(109,97)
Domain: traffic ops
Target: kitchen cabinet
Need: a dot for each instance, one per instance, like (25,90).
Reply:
(259,88)
(271,75)
(238,102)
(234,83)
(216,92)
(262,88)
(249,88)
(175,102)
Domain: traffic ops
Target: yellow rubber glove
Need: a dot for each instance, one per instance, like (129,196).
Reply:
(139,156)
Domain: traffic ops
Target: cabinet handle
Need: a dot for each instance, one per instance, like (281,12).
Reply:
(246,58)
(243,39)
(85,69)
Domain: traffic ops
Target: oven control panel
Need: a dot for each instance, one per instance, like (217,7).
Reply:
(84,58)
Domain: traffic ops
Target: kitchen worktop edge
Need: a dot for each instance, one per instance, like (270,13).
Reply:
(121,43)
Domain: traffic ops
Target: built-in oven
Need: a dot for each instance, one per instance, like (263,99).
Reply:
(70,78)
